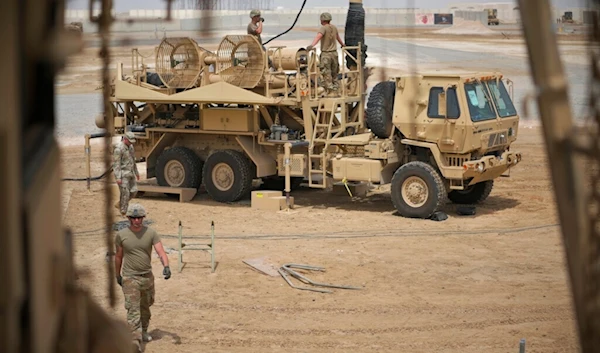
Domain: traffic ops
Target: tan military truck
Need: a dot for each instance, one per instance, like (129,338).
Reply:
(443,135)
(493,17)
(225,118)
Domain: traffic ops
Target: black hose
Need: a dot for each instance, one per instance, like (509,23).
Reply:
(293,24)
(86,179)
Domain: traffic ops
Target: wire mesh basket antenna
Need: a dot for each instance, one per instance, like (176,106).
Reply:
(241,61)
(177,62)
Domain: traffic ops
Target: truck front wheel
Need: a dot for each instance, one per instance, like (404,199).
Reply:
(227,175)
(473,194)
(418,190)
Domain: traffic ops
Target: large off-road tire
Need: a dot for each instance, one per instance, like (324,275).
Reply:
(227,175)
(473,194)
(380,109)
(418,190)
(179,167)
(278,183)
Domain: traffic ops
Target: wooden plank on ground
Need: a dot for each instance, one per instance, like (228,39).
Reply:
(185,194)
(263,265)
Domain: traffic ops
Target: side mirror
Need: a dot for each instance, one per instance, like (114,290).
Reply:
(511,88)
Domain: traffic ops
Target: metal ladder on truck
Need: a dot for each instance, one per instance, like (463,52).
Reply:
(325,128)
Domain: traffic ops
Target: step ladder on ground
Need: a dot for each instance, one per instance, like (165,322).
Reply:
(209,248)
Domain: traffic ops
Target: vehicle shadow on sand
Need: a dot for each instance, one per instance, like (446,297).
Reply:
(378,201)
(490,206)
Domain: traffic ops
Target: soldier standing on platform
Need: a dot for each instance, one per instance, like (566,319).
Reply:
(328,61)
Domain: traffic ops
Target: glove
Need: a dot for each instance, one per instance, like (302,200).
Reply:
(120,280)
(309,48)
(262,19)
(167,272)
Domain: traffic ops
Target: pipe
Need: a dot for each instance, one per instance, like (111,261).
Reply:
(277,81)
(87,151)
(179,255)
(286,162)
(88,162)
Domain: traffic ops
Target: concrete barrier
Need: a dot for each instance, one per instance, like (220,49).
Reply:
(473,16)
(190,20)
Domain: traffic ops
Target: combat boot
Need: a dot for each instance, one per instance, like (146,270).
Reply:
(146,336)
(137,347)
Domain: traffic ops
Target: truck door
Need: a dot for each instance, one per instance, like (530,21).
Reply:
(443,124)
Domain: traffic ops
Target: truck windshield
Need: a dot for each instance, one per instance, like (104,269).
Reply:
(479,104)
(502,99)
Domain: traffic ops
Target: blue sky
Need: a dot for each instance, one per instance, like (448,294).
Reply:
(124,5)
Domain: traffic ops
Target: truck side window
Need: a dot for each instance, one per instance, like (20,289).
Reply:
(451,110)
(433,110)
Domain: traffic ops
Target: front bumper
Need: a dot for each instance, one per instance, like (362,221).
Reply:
(490,167)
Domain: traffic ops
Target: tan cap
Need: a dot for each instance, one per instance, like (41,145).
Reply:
(325,16)
(254,13)
(130,136)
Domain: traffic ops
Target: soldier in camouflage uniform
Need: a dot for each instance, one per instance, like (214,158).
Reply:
(126,172)
(328,61)
(134,271)
(255,27)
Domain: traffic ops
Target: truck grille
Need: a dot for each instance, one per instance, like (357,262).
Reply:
(456,161)
(497,139)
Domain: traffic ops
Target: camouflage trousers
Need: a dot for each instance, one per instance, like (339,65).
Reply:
(128,189)
(330,68)
(139,296)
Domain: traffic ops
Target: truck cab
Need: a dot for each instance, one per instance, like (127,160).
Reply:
(451,134)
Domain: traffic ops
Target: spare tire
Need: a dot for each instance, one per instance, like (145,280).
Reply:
(380,109)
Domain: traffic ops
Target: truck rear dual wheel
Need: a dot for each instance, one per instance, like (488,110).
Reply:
(179,167)
(228,175)
(418,190)
(473,194)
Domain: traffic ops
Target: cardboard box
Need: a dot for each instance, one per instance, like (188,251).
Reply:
(274,203)
(263,194)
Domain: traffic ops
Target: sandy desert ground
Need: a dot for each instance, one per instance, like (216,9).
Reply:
(468,284)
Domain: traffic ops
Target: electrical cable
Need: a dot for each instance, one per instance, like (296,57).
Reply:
(347,235)
(293,24)
(92,178)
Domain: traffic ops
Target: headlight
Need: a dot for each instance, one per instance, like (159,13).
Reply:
(480,167)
